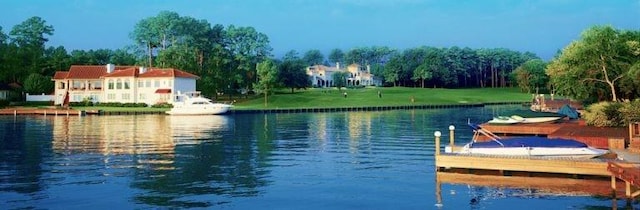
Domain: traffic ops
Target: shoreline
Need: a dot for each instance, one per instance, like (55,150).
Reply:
(78,112)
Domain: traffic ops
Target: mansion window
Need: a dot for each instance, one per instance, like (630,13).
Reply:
(142,96)
(119,84)
(126,96)
(156,83)
(77,85)
(140,83)
(126,84)
(110,84)
(61,85)
(111,96)
(147,83)
(97,85)
(95,97)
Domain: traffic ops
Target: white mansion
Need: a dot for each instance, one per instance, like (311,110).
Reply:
(124,84)
(322,76)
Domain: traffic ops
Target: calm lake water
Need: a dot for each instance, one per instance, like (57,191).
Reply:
(341,160)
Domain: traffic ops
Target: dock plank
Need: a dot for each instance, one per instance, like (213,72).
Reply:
(562,166)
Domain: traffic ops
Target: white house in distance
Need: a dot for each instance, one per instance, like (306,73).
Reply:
(322,76)
(124,84)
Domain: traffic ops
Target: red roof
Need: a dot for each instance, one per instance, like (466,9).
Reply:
(97,72)
(163,91)
(129,72)
(60,75)
(155,72)
(86,72)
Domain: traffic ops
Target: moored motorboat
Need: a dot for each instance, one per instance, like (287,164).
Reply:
(526,116)
(540,119)
(192,103)
(530,146)
(504,120)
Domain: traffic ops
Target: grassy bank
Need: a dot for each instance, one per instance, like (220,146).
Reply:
(394,96)
(362,97)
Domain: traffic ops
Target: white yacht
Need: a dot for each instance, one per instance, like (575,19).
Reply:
(192,103)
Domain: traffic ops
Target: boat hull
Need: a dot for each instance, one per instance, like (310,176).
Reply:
(535,119)
(207,110)
(575,153)
(504,120)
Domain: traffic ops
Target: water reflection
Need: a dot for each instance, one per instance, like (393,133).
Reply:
(482,191)
(23,146)
(366,160)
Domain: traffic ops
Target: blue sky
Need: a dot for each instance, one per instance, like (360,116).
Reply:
(539,26)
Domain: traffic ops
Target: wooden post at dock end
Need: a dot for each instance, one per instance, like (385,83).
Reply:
(437,134)
(451,135)
(613,185)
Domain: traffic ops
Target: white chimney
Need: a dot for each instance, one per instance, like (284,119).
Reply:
(110,68)
(368,68)
(142,69)
(338,65)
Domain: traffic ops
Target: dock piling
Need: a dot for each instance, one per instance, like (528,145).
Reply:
(451,135)
(437,134)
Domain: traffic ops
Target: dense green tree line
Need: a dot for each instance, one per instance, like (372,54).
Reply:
(227,57)
(604,64)
(438,67)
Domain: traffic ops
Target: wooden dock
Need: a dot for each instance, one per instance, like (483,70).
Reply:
(539,129)
(628,172)
(507,164)
(630,175)
(41,111)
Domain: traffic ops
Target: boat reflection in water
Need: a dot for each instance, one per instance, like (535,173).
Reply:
(483,188)
(195,129)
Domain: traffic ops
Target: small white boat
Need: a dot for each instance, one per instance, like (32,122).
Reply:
(192,103)
(526,116)
(504,120)
(527,146)
(539,119)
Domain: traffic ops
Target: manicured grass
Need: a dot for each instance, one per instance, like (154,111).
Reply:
(361,97)
(391,96)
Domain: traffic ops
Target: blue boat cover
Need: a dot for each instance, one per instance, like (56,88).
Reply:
(569,112)
(533,141)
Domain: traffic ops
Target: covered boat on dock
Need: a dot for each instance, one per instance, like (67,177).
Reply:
(529,146)
(526,116)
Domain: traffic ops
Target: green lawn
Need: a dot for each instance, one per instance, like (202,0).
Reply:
(391,96)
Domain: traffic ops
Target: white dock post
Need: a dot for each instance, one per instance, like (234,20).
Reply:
(451,135)
(437,134)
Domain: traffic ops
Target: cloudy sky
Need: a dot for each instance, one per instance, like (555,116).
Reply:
(539,26)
